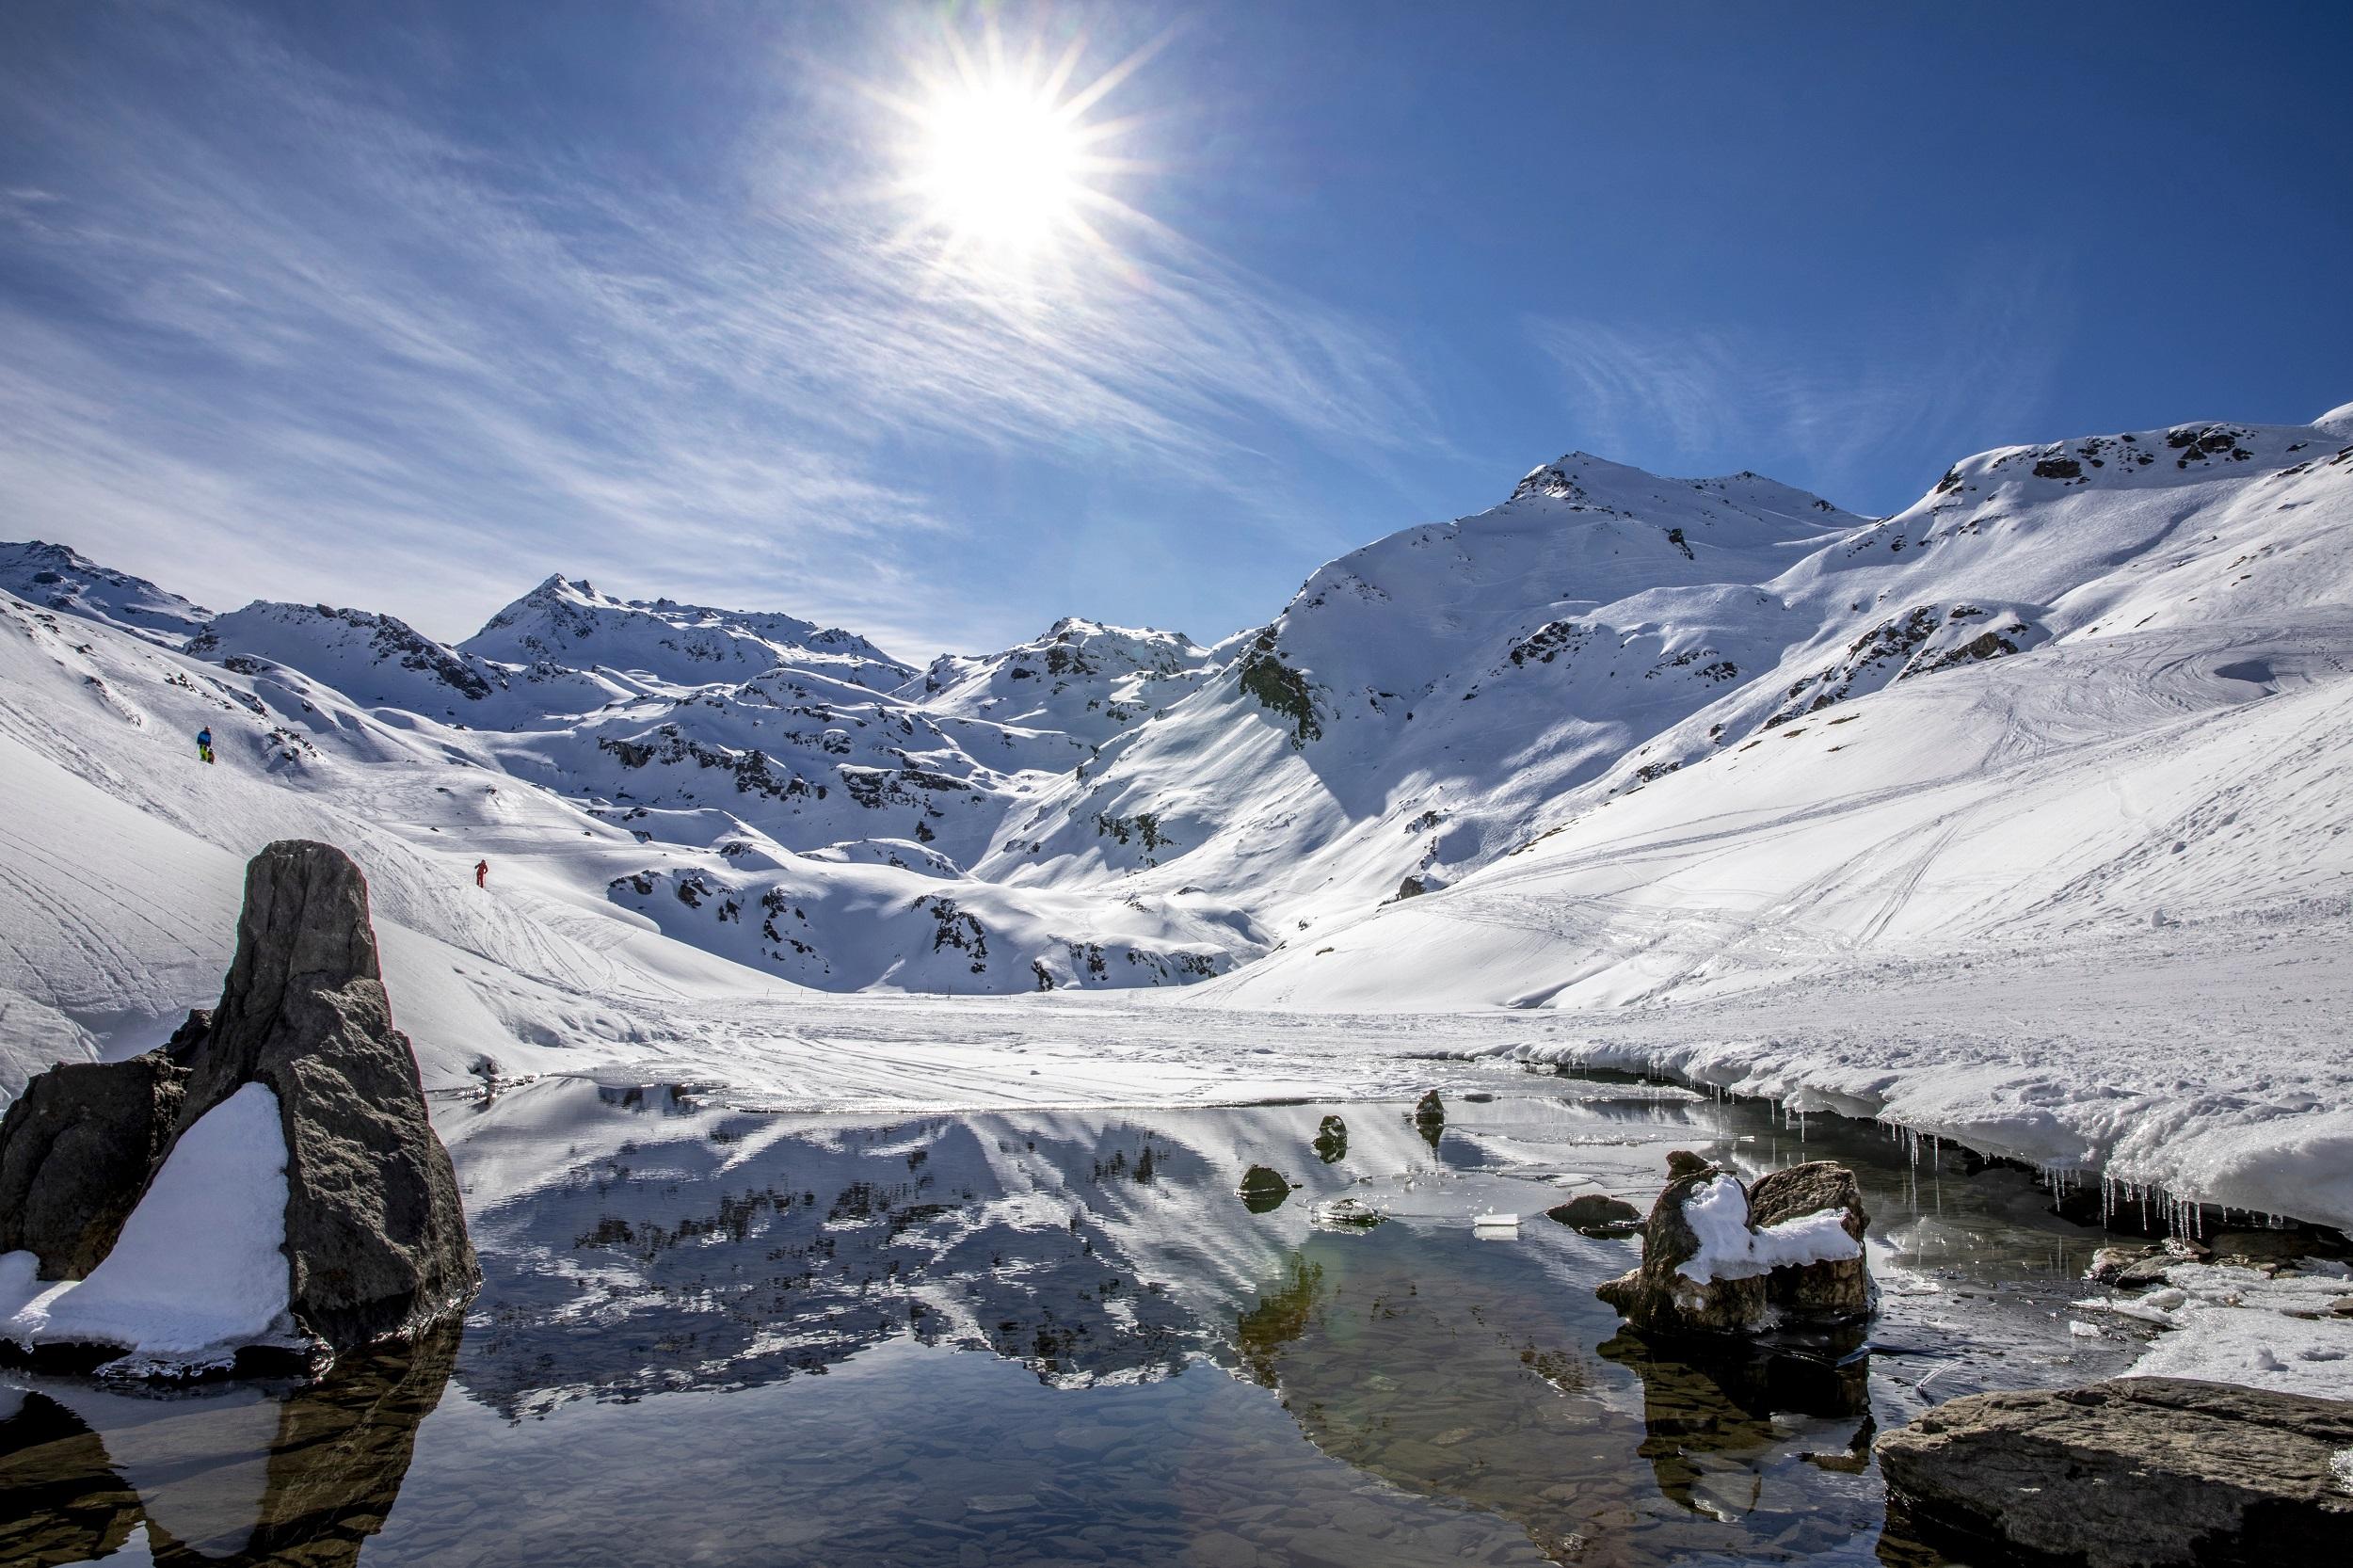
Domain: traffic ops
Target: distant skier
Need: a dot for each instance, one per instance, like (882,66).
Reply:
(204,742)
(482,873)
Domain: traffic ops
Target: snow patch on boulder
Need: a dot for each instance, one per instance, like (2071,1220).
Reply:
(1718,1215)
(201,1266)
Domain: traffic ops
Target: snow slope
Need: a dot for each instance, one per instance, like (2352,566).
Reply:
(2087,903)
(2017,816)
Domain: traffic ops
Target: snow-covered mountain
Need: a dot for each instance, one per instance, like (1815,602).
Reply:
(1619,745)
(569,624)
(2036,695)
(57,578)
(1422,702)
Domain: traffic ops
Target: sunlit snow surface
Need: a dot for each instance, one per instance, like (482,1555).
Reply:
(2086,904)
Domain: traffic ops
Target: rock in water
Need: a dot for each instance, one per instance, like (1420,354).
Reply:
(1780,1255)
(375,1234)
(75,1150)
(2133,1471)
(1836,1290)
(1263,1189)
(1597,1214)
(1657,1297)
(1331,1139)
(1430,1118)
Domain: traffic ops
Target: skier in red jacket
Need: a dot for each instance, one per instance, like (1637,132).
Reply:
(481,873)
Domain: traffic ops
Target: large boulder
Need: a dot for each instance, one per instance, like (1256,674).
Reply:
(75,1150)
(375,1238)
(2135,1471)
(1836,1290)
(1720,1258)
(375,1234)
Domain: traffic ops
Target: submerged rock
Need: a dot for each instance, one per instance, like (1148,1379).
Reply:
(2132,1471)
(1597,1214)
(1791,1249)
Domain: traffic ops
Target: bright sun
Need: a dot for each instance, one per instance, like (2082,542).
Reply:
(1004,161)
(1000,166)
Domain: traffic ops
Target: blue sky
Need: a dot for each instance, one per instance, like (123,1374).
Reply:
(405,307)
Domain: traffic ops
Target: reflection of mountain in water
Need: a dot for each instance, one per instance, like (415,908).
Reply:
(219,1474)
(747,1250)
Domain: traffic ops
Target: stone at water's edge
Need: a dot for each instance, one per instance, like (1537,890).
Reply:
(75,1150)
(374,1230)
(1838,1290)
(1657,1298)
(2135,1471)
(375,1241)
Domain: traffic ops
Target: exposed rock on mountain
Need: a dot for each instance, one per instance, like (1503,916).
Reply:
(2132,1473)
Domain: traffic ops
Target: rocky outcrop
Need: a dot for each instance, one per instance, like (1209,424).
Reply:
(375,1240)
(2136,1471)
(1791,1250)
(375,1234)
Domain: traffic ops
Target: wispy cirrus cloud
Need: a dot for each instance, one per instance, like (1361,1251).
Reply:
(268,328)
(1695,400)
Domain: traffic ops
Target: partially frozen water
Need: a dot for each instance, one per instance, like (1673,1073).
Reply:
(715,1336)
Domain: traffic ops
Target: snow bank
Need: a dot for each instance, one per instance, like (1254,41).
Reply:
(2237,1325)
(201,1267)
(1718,1215)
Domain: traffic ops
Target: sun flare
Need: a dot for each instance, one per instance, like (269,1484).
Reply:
(1005,161)
(999,165)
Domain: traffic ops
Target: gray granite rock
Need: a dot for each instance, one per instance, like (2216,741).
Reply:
(2131,1472)
(76,1149)
(375,1233)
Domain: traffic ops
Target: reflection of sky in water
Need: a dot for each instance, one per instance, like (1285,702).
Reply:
(710,1335)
